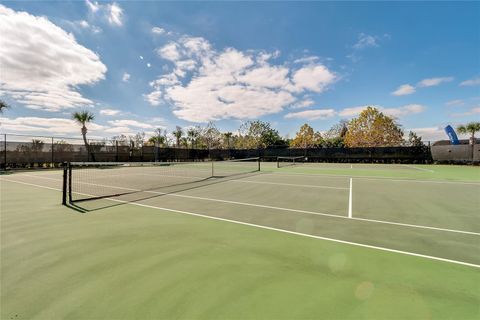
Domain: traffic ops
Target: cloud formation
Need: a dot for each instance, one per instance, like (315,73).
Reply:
(355,111)
(125,77)
(158,30)
(431,82)
(111,12)
(455,103)
(403,90)
(407,89)
(109,112)
(394,112)
(206,84)
(471,82)
(44,72)
(365,41)
(63,126)
(311,114)
(471,112)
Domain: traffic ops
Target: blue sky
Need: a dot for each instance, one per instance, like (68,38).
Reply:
(142,65)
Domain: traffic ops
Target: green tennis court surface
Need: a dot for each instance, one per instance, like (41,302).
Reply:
(345,241)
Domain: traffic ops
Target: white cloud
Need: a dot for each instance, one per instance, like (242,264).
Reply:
(310,59)
(158,30)
(48,126)
(115,14)
(403,90)
(130,123)
(169,52)
(82,25)
(303,104)
(112,12)
(46,70)
(430,82)
(205,84)
(454,103)
(429,133)
(109,112)
(471,112)
(148,65)
(394,112)
(154,98)
(353,111)
(365,41)
(404,111)
(471,82)
(314,78)
(311,114)
(125,77)
(141,57)
(92,6)
(67,127)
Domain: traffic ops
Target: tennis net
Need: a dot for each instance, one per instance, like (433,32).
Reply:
(289,161)
(96,180)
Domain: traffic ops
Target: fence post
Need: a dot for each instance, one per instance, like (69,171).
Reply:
(116,150)
(53,157)
(5,151)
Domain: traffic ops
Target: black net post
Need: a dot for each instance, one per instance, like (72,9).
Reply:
(64,185)
(69,168)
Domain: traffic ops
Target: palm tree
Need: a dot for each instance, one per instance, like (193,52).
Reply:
(82,118)
(157,140)
(3,106)
(192,135)
(228,136)
(178,133)
(472,127)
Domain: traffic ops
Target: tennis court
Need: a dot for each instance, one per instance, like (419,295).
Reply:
(226,240)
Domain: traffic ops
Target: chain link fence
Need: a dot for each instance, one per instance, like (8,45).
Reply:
(24,151)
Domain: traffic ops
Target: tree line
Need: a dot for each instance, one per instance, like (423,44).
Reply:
(371,128)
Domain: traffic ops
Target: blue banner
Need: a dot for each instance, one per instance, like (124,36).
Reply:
(451,134)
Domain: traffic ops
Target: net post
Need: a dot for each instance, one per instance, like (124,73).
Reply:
(213,173)
(64,185)
(259,164)
(278,162)
(69,168)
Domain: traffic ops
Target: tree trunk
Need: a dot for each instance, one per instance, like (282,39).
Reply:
(87,146)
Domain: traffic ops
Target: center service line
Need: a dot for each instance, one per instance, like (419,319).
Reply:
(350,200)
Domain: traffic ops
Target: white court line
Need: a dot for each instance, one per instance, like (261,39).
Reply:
(280,208)
(287,184)
(316,175)
(418,168)
(276,229)
(350,200)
